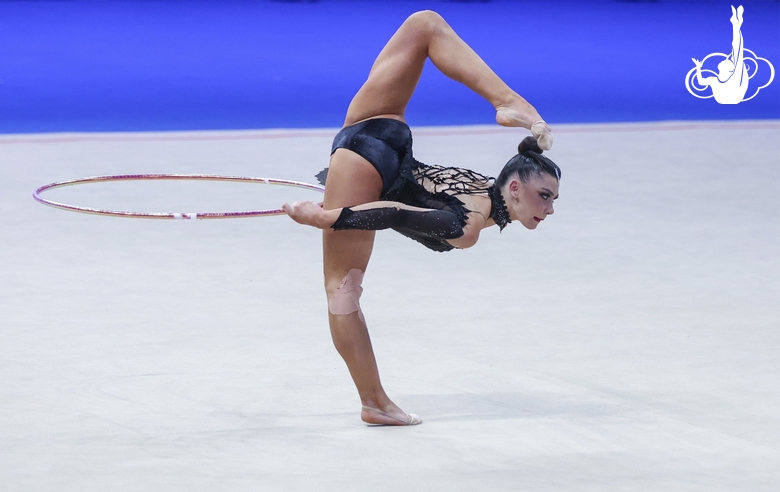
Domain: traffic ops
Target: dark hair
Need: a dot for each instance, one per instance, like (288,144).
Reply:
(528,162)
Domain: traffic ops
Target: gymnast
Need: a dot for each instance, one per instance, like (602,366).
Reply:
(731,84)
(374,183)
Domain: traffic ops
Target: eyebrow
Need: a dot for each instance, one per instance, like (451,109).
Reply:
(550,192)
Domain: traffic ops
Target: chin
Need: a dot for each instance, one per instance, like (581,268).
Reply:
(532,224)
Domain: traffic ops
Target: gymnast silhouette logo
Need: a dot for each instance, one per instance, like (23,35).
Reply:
(729,84)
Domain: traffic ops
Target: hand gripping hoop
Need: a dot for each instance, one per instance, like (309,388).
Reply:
(171,215)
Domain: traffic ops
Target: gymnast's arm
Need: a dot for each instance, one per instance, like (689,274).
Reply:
(391,215)
(702,81)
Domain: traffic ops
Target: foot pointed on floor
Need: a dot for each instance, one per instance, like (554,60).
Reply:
(374,416)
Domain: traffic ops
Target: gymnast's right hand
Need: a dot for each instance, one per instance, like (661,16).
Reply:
(308,213)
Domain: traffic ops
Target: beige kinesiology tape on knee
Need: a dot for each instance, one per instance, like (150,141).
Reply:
(346,299)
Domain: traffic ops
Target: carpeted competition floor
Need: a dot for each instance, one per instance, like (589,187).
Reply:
(630,343)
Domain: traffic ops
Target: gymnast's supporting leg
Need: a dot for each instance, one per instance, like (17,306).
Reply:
(399,66)
(351,338)
(351,181)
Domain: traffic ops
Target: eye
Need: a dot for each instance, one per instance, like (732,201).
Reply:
(545,196)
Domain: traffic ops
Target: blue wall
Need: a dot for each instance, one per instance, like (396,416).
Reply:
(110,66)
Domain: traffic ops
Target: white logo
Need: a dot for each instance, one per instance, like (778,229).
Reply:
(730,83)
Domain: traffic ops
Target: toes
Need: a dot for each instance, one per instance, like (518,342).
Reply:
(386,419)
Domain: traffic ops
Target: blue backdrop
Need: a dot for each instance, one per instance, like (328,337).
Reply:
(107,65)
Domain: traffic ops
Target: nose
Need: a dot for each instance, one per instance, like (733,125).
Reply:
(550,210)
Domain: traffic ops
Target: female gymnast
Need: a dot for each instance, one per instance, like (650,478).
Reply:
(731,84)
(373,183)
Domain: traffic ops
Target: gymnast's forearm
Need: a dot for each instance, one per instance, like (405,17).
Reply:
(386,204)
(309,213)
(331,216)
(701,80)
(403,218)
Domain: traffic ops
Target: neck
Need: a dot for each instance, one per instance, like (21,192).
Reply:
(498,210)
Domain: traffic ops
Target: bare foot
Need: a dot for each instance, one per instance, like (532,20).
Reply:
(394,416)
(309,213)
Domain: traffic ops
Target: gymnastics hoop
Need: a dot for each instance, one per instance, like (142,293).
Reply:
(170,215)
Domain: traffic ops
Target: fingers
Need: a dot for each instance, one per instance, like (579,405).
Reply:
(543,134)
(287,208)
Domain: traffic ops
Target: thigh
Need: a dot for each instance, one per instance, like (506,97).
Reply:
(395,72)
(351,181)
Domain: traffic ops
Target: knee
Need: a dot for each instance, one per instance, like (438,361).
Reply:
(426,21)
(344,294)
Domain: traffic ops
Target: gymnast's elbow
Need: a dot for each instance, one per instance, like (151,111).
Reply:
(468,239)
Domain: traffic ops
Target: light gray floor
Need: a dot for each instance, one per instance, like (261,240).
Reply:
(630,343)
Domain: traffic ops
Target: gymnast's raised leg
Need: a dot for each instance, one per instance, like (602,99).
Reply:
(352,180)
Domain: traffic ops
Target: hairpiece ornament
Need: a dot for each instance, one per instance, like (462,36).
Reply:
(498,210)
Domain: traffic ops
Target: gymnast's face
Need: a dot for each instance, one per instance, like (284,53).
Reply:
(530,203)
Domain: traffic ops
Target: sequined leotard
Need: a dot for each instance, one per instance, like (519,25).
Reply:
(387,144)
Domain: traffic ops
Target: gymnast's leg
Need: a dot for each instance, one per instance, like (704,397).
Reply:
(398,67)
(351,181)
(737,44)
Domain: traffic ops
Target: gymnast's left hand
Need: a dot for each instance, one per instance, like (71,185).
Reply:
(308,213)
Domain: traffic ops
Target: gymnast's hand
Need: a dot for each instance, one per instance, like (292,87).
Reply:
(310,213)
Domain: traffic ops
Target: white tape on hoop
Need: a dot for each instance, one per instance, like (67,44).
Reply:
(190,216)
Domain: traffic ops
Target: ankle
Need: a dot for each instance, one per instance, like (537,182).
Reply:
(376,402)
(516,112)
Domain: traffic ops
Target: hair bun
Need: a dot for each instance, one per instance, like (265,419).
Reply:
(529,143)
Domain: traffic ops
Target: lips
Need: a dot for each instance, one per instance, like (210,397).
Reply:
(538,219)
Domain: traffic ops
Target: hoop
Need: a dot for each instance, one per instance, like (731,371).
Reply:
(170,215)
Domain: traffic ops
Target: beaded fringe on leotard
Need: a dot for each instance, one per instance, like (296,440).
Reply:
(435,187)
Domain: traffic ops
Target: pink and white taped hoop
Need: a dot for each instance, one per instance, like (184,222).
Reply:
(171,215)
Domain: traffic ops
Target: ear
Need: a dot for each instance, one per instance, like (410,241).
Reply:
(514,188)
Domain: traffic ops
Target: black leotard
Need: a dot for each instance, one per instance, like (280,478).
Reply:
(387,144)
(384,142)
